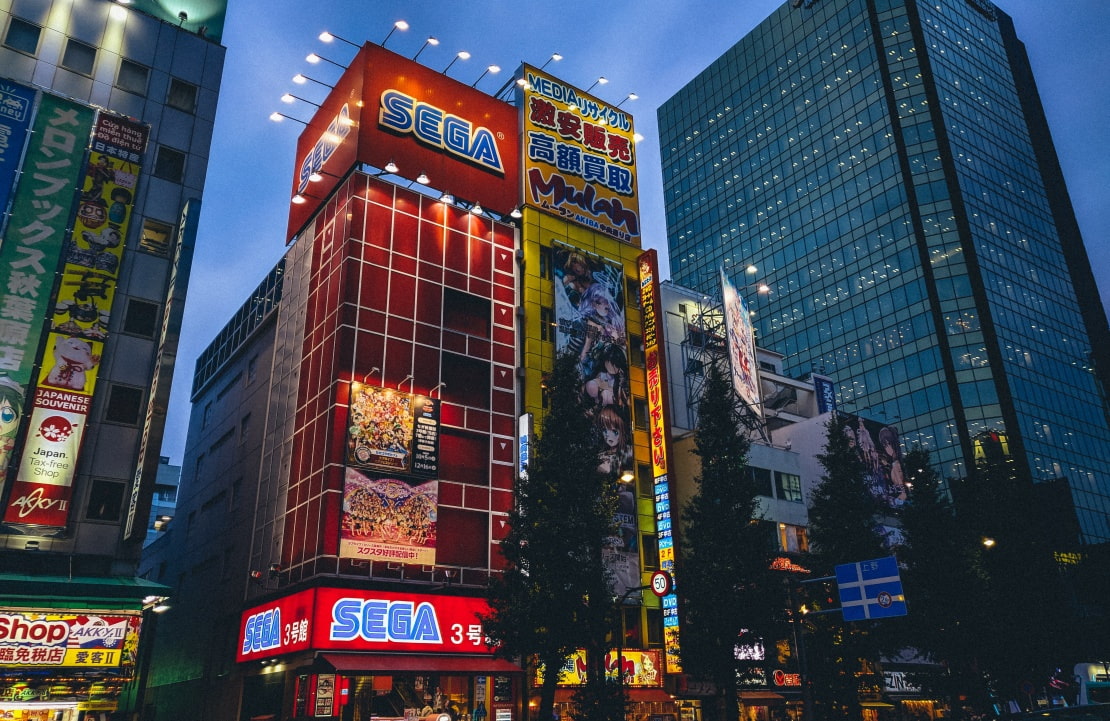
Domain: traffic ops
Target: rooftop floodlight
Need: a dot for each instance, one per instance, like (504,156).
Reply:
(461,55)
(327,37)
(315,58)
(301,79)
(630,96)
(430,41)
(290,97)
(278,117)
(600,81)
(399,25)
(556,57)
(490,69)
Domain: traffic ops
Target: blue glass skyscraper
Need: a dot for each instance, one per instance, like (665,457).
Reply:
(887,166)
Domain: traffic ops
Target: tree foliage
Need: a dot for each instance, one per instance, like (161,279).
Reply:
(725,583)
(555,594)
(843,528)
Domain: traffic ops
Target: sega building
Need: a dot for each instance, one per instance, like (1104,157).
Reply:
(414,331)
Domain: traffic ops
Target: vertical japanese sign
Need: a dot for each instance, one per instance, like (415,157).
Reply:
(591,325)
(579,157)
(390,516)
(741,344)
(29,255)
(16,103)
(655,363)
(82,304)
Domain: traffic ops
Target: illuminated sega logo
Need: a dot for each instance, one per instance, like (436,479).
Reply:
(404,114)
(262,631)
(382,620)
(338,129)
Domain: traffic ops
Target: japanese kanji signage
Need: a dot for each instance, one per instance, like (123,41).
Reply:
(87,640)
(655,359)
(30,250)
(16,102)
(89,267)
(579,157)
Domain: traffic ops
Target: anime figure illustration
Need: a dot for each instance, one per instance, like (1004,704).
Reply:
(601,321)
(609,385)
(99,174)
(577,277)
(11,410)
(72,359)
(616,453)
(891,460)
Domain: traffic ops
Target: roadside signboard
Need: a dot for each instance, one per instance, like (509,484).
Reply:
(870,589)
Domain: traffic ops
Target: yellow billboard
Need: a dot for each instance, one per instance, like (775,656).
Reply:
(579,157)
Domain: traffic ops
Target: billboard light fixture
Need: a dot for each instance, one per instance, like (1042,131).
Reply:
(438,386)
(301,79)
(399,25)
(601,80)
(447,198)
(556,57)
(460,55)
(476,209)
(316,58)
(327,37)
(490,69)
(432,40)
(407,379)
(516,213)
(290,97)
(278,117)
(630,96)
(423,179)
(391,167)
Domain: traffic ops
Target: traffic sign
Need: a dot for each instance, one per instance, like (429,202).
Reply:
(870,589)
(661,583)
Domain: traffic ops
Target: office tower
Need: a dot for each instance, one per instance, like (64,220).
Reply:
(106,112)
(887,167)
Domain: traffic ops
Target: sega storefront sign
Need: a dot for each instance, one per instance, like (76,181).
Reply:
(337,619)
(579,157)
(277,627)
(67,639)
(387,108)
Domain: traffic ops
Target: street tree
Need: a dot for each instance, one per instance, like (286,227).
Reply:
(843,528)
(725,585)
(555,595)
(946,588)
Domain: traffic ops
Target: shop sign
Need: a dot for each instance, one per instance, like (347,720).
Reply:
(65,639)
(783,679)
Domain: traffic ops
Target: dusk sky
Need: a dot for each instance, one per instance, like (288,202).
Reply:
(650,47)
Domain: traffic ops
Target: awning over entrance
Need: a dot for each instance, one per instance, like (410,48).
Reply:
(761,698)
(401,662)
(78,592)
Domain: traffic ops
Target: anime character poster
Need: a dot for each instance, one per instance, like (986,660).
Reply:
(880,450)
(391,431)
(590,323)
(388,519)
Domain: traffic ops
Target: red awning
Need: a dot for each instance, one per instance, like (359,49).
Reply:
(374,662)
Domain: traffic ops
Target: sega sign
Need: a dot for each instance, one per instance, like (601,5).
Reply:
(280,626)
(427,122)
(404,114)
(338,619)
(338,130)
